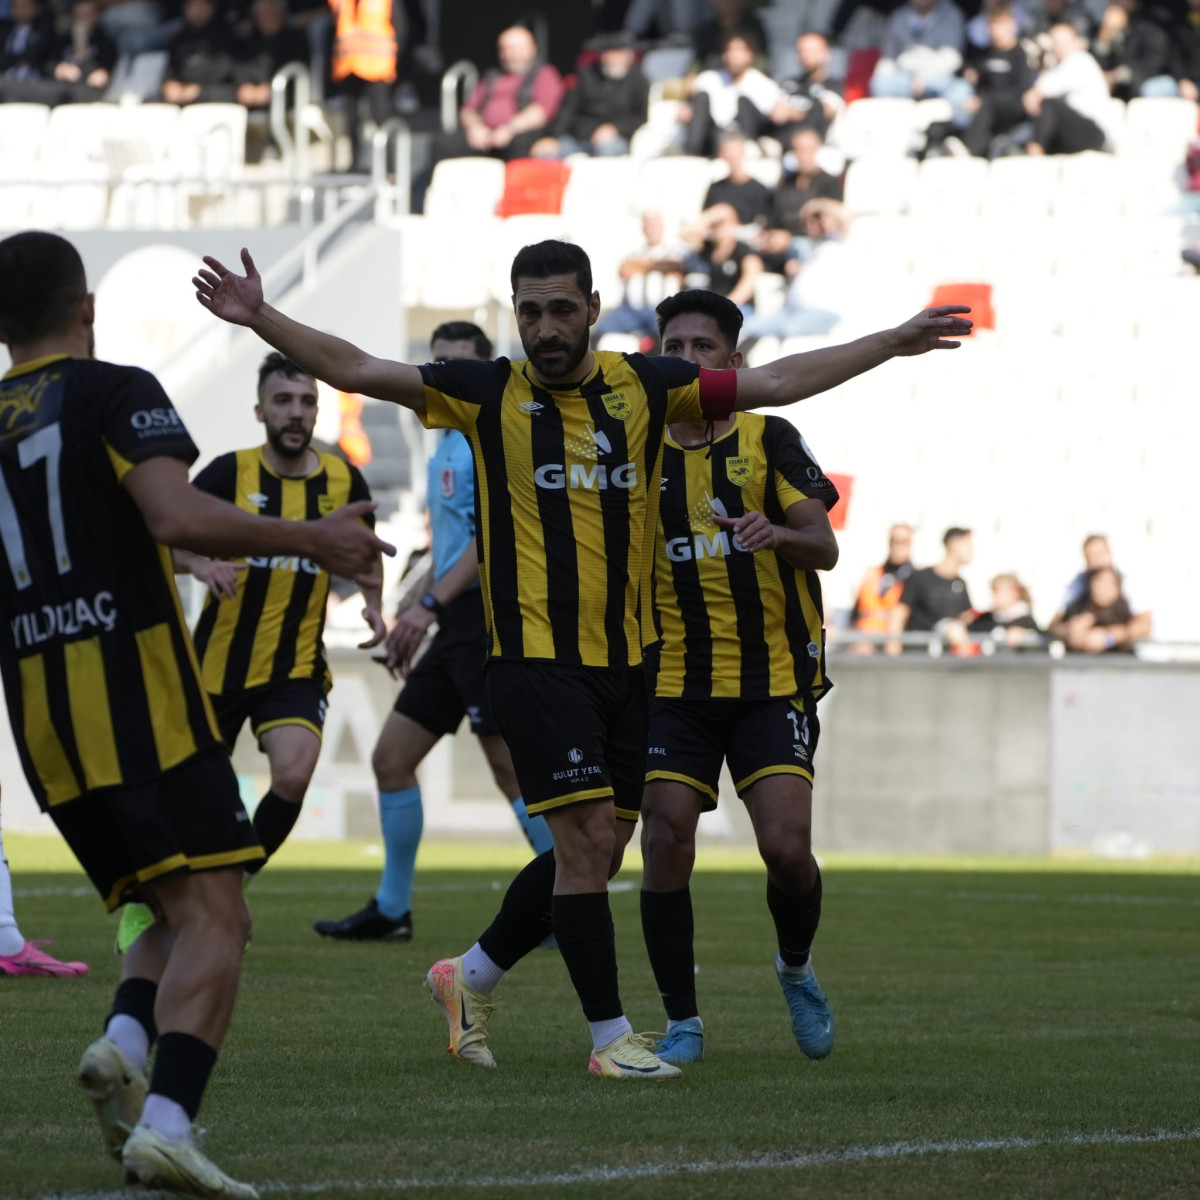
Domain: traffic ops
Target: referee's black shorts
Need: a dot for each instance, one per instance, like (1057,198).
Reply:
(191,818)
(447,682)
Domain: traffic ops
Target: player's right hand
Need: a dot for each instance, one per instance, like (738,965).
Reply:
(219,577)
(233,298)
(344,546)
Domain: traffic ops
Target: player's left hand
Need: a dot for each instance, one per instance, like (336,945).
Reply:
(406,637)
(752,529)
(378,626)
(933,329)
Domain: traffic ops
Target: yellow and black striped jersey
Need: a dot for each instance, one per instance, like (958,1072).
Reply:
(103,687)
(736,624)
(273,628)
(567,495)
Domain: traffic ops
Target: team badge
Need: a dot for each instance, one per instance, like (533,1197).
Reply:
(616,405)
(326,504)
(448,488)
(739,471)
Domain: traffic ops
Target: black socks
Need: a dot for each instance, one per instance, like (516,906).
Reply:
(273,821)
(181,1070)
(669,930)
(524,920)
(583,926)
(796,920)
(135,998)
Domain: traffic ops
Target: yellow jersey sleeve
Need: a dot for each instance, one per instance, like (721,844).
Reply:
(795,472)
(456,391)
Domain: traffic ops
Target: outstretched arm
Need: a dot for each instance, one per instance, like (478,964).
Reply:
(799,376)
(238,299)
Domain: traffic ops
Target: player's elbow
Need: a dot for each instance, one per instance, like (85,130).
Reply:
(828,552)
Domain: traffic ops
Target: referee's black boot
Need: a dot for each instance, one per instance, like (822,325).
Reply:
(368,925)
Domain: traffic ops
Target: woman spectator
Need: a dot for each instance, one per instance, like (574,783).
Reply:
(1101,621)
(1010,620)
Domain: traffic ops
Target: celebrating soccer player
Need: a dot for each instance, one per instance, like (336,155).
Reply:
(567,446)
(744,527)
(108,709)
(447,682)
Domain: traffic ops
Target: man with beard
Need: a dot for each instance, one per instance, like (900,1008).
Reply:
(259,637)
(567,447)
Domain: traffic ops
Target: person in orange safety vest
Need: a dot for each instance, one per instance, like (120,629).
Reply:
(882,587)
(366,44)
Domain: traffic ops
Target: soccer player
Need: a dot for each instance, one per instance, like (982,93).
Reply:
(567,445)
(743,529)
(108,710)
(18,956)
(446,684)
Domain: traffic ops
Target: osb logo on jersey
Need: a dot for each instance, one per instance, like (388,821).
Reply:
(326,504)
(739,471)
(616,405)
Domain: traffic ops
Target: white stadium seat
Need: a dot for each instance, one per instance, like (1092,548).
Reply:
(1158,128)
(675,186)
(211,141)
(880,186)
(599,189)
(949,187)
(1089,188)
(465,188)
(879,126)
(1020,187)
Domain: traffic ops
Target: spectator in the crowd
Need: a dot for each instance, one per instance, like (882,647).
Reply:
(935,599)
(1102,620)
(1134,52)
(86,55)
(1069,103)
(365,49)
(608,103)
(978,28)
(1097,553)
(749,198)
(1010,620)
(273,44)
(1186,60)
(200,62)
(822,289)
(729,17)
(736,97)
(1042,18)
(812,97)
(513,103)
(730,266)
(881,589)
(1001,76)
(650,274)
(26,46)
(785,226)
(922,55)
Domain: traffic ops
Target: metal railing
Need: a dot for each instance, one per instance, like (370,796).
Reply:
(465,72)
(292,142)
(394,195)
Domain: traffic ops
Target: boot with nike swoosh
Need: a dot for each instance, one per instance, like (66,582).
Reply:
(467,1012)
(154,1161)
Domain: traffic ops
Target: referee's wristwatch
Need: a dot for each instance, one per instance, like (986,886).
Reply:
(430,603)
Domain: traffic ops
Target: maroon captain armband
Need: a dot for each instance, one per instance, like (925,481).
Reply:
(718,393)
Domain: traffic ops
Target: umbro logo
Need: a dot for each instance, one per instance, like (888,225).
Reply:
(257,499)
(530,406)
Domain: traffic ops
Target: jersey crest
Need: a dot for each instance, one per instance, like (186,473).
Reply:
(739,471)
(617,405)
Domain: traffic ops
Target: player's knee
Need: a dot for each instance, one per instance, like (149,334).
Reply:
(291,782)
(788,856)
(392,768)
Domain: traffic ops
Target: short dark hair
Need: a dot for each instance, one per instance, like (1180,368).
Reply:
(953,533)
(41,280)
(552,257)
(723,311)
(742,35)
(463,331)
(279,364)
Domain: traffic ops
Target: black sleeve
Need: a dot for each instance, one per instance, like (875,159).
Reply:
(637,104)
(360,491)
(564,120)
(106,50)
(713,195)
(219,478)
(789,454)
(986,622)
(914,590)
(465,378)
(139,422)
(675,372)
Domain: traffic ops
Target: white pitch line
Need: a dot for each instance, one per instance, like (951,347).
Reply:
(885,1152)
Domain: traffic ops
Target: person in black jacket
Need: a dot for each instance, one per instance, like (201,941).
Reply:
(1134,51)
(200,62)
(1000,75)
(86,56)
(607,104)
(26,47)
(272,45)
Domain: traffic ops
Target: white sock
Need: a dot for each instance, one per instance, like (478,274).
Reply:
(674,1025)
(479,972)
(604,1033)
(168,1118)
(784,969)
(11,939)
(131,1037)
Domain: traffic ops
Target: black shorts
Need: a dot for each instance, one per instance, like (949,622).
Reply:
(689,739)
(189,819)
(575,733)
(447,682)
(287,702)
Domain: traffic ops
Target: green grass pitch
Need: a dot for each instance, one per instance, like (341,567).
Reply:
(1005,1030)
